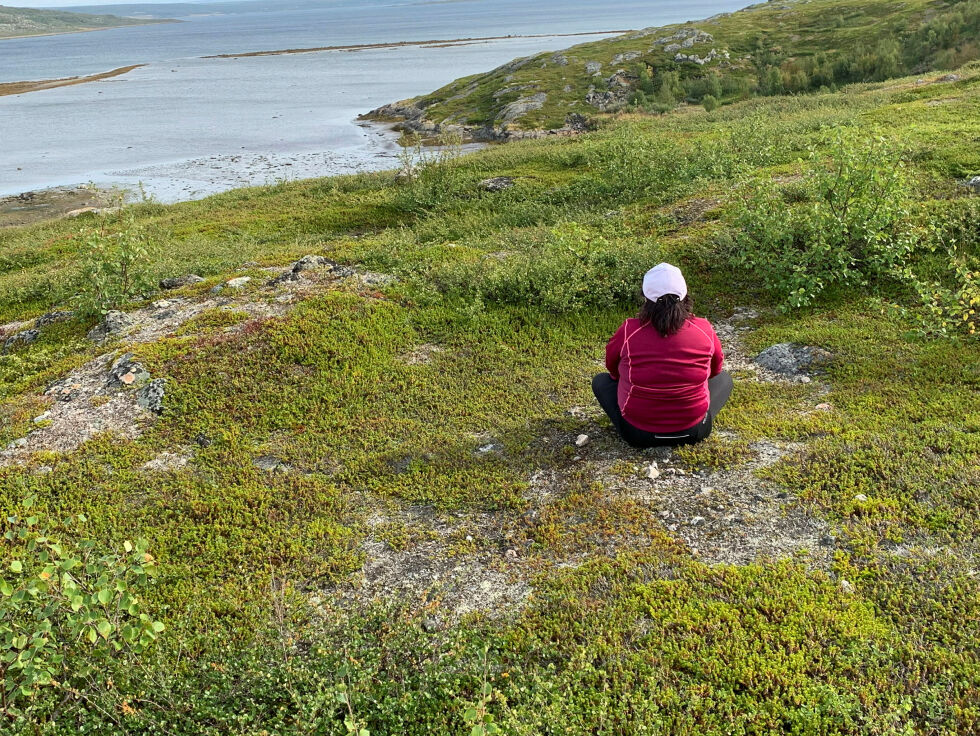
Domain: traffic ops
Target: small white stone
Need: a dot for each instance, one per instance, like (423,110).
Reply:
(697,520)
(582,440)
(860,498)
(42,418)
(653,471)
(823,407)
(469,538)
(846,586)
(804,379)
(238,283)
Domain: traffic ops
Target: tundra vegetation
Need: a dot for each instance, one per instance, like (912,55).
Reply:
(364,508)
(16,22)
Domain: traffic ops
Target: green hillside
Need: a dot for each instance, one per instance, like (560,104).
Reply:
(358,477)
(16,22)
(770,48)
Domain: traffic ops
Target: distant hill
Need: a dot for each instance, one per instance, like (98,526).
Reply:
(224,7)
(789,47)
(16,22)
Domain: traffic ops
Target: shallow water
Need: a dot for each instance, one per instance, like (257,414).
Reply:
(185,126)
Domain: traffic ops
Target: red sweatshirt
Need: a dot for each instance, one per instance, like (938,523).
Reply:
(663,381)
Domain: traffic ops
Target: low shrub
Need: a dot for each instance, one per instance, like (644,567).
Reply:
(846,223)
(570,268)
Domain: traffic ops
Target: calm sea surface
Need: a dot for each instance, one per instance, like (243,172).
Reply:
(185,126)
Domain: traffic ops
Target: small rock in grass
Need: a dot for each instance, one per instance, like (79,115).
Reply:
(42,418)
(432,625)
(179,281)
(18,444)
(269,463)
(238,283)
(846,586)
(310,263)
(150,397)
(653,471)
(823,407)
(127,372)
(582,440)
(697,521)
(511,554)
(21,338)
(861,498)
(973,183)
(789,359)
(497,184)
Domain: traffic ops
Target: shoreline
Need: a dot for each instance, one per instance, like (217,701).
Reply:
(19,88)
(92,30)
(434,43)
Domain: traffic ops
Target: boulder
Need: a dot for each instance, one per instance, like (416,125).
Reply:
(127,372)
(973,183)
(792,360)
(239,283)
(593,67)
(151,396)
(497,184)
(113,324)
(179,281)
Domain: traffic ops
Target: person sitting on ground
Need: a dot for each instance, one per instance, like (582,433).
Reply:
(665,383)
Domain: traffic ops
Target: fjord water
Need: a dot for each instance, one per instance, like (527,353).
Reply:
(186,126)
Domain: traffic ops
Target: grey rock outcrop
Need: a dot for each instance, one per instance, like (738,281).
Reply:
(973,183)
(627,56)
(520,108)
(683,39)
(58,315)
(593,67)
(790,360)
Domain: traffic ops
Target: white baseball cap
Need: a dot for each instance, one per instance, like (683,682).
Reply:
(664,279)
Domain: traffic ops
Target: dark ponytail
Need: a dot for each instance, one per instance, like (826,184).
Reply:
(667,315)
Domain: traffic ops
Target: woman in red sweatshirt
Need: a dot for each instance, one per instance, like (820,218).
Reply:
(665,382)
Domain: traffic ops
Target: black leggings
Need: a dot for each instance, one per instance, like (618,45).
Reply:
(606,390)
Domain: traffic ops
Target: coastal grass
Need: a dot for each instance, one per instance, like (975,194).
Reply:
(513,295)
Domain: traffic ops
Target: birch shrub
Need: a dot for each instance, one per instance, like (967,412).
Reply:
(846,223)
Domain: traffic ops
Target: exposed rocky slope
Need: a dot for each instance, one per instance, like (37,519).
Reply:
(768,48)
